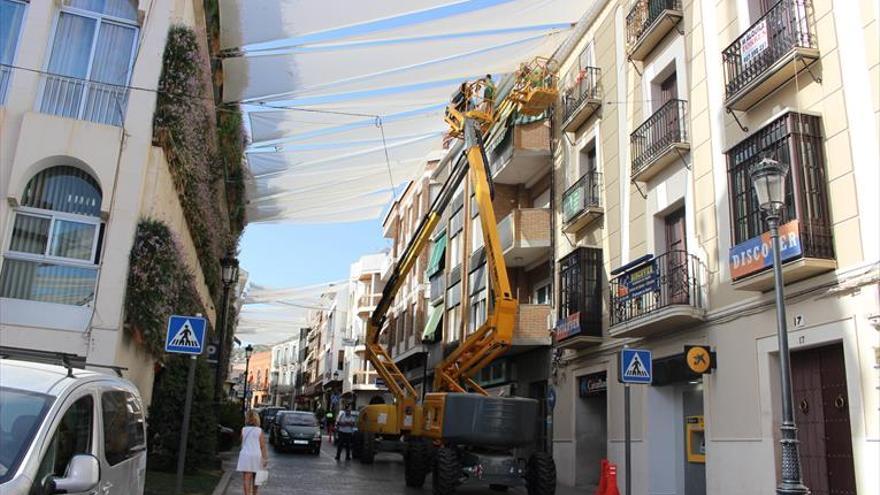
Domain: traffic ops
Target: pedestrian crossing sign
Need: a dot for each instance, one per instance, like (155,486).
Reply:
(186,335)
(635,366)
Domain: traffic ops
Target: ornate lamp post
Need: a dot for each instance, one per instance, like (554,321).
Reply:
(247,364)
(768,179)
(229,276)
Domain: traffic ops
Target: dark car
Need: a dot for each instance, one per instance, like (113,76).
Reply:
(296,430)
(267,416)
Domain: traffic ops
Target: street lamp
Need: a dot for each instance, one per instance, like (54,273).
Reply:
(768,179)
(247,364)
(228,275)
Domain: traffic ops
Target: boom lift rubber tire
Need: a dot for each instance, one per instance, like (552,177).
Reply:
(541,474)
(447,471)
(368,448)
(416,461)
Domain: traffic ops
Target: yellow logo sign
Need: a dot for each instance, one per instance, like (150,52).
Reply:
(698,359)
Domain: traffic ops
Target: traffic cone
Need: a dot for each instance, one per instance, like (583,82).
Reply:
(611,487)
(603,477)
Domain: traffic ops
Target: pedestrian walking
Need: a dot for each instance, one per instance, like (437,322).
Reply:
(345,424)
(253,456)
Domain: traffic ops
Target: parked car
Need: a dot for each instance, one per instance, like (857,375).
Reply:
(267,416)
(69,430)
(296,430)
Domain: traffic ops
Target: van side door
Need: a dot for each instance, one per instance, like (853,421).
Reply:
(124,448)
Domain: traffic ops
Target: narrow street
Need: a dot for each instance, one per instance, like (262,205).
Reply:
(303,473)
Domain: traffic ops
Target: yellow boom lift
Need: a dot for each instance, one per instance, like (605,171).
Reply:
(458,431)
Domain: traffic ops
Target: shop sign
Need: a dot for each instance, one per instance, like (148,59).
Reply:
(756,253)
(568,326)
(593,384)
(754,43)
(700,359)
(638,282)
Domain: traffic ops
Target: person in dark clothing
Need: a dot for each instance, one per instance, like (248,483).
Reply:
(345,424)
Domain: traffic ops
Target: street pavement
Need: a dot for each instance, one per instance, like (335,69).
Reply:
(303,473)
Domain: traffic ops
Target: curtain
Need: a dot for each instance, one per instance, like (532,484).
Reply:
(70,57)
(63,188)
(113,51)
(46,282)
(30,234)
(11,15)
(124,9)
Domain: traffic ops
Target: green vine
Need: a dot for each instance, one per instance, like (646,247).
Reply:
(159,284)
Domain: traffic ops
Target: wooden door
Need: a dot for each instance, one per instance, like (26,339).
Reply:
(676,279)
(822,413)
(669,123)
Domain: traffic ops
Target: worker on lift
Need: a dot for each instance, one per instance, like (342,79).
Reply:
(489,91)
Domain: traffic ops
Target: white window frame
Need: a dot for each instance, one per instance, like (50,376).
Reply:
(544,284)
(46,257)
(100,19)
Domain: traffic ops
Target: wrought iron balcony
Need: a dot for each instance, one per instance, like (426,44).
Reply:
(582,202)
(656,294)
(648,22)
(580,299)
(659,140)
(766,56)
(84,100)
(581,98)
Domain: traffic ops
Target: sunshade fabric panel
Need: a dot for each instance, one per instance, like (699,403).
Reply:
(437,253)
(428,335)
(374,66)
(346,209)
(247,22)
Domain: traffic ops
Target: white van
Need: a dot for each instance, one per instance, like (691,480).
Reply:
(69,430)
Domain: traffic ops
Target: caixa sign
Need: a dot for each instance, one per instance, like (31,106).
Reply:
(756,253)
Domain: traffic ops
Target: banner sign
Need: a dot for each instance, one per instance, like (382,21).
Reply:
(592,384)
(569,326)
(756,253)
(754,43)
(638,282)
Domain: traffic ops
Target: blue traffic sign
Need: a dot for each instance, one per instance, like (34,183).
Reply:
(635,366)
(186,335)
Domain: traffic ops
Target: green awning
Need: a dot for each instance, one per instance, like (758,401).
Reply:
(433,324)
(437,253)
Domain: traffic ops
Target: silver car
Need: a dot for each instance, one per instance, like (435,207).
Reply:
(69,431)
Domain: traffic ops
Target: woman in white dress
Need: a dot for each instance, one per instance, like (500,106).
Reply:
(253,456)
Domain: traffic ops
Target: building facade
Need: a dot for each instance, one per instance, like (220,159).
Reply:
(284,370)
(664,106)
(80,172)
(259,376)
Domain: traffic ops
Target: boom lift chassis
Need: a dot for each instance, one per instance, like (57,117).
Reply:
(460,432)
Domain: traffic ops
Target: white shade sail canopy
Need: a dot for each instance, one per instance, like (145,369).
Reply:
(272,315)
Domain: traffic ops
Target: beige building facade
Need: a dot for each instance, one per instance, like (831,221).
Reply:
(664,106)
(78,170)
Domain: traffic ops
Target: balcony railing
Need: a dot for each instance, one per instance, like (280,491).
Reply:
(5,77)
(581,97)
(583,195)
(766,47)
(671,279)
(645,25)
(658,136)
(84,100)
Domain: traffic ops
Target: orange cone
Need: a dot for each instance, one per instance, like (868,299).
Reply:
(603,477)
(611,487)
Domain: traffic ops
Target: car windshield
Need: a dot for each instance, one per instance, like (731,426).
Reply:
(21,413)
(305,419)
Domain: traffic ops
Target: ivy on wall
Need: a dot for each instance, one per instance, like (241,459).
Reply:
(159,285)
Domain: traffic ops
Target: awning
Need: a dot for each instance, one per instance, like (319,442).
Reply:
(437,253)
(433,324)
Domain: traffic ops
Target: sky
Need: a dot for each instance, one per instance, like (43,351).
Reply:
(284,255)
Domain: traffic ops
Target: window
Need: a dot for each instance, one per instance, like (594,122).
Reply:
(340,360)
(72,436)
(20,418)
(11,19)
(456,224)
(56,239)
(541,294)
(478,312)
(91,59)
(580,291)
(795,139)
(587,161)
(123,426)
(476,234)
(453,319)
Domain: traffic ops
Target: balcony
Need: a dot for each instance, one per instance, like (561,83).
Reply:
(83,100)
(524,235)
(5,77)
(520,152)
(582,98)
(367,303)
(582,202)
(766,56)
(580,299)
(532,329)
(648,23)
(659,141)
(656,295)
(366,380)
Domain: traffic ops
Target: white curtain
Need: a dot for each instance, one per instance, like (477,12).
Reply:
(106,104)
(124,9)
(72,46)
(11,15)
